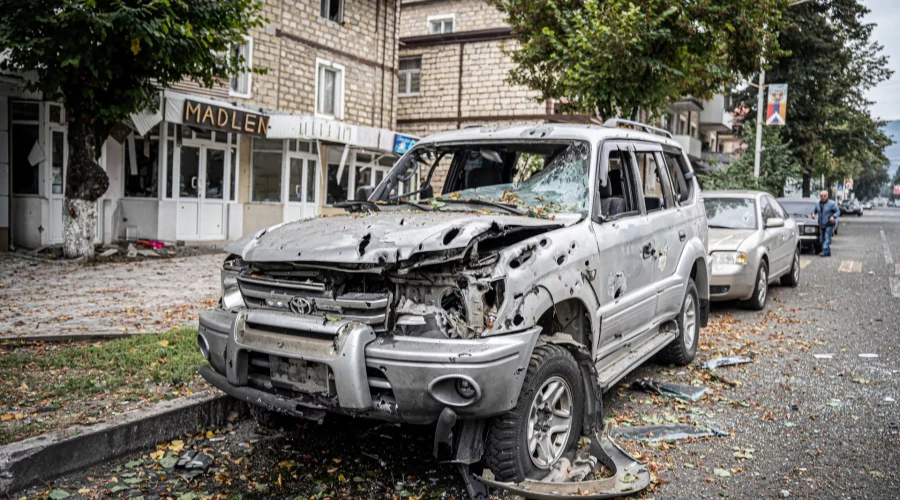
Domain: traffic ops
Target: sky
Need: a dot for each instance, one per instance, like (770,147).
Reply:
(886,15)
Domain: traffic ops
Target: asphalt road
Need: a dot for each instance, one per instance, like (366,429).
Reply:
(815,428)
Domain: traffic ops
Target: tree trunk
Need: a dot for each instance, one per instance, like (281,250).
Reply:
(807,177)
(86,182)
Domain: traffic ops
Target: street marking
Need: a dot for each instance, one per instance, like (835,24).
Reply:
(850,266)
(887,250)
(895,287)
(806,260)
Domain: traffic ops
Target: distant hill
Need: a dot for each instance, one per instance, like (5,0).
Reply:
(892,129)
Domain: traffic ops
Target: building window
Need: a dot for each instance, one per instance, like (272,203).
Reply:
(333,10)
(141,167)
(240,84)
(693,130)
(410,75)
(265,175)
(329,89)
(441,24)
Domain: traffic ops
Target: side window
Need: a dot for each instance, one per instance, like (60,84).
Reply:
(657,195)
(683,188)
(617,196)
(777,209)
(766,208)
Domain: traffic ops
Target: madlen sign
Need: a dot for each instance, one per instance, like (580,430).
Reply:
(236,121)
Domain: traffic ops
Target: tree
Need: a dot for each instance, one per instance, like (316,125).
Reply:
(830,64)
(871,177)
(777,166)
(107,59)
(602,57)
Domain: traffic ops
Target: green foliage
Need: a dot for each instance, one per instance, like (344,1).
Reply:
(831,64)
(608,56)
(109,58)
(777,166)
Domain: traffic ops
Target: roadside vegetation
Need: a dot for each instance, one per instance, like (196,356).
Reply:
(50,386)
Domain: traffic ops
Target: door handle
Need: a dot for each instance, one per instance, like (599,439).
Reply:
(647,251)
(194,182)
(682,235)
(297,190)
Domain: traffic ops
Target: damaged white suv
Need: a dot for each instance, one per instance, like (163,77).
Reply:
(555,260)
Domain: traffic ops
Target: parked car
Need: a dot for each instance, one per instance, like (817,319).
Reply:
(752,242)
(869,205)
(500,310)
(801,209)
(851,207)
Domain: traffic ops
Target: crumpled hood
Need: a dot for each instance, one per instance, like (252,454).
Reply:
(727,239)
(379,238)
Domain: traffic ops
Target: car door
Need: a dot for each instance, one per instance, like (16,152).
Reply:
(773,238)
(668,226)
(788,235)
(625,282)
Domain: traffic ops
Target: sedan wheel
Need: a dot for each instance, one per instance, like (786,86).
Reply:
(792,278)
(757,301)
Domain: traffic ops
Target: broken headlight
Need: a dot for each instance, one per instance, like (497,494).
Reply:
(231,291)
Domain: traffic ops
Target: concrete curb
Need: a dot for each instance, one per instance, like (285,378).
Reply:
(71,337)
(48,456)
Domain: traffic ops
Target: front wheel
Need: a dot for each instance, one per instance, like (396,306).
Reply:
(757,301)
(683,349)
(792,279)
(545,424)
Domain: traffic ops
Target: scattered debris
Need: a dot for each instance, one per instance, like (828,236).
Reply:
(868,355)
(558,472)
(109,252)
(151,244)
(690,392)
(729,361)
(194,463)
(785,493)
(888,399)
(655,433)
(131,252)
(581,468)
(147,253)
(823,356)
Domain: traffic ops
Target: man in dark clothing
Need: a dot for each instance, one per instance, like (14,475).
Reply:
(827,213)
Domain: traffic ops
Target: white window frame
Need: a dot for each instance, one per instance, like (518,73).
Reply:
(340,12)
(284,153)
(405,79)
(441,19)
(339,89)
(246,76)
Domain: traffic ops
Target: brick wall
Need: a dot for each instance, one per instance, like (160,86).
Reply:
(470,15)
(365,44)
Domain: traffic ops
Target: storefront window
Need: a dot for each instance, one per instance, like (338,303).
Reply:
(265,174)
(25,175)
(190,171)
(57,160)
(142,169)
(336,189)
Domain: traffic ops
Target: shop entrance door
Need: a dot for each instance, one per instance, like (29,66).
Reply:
(202,210)
(302,187)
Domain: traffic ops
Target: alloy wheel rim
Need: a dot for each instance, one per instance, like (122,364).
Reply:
(761,294)
(796,267)
(549,422)
(689,321)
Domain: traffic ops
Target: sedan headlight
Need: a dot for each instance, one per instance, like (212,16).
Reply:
(739,258)
(810,230)
(231,291)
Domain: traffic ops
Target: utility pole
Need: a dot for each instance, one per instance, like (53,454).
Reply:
(760,101)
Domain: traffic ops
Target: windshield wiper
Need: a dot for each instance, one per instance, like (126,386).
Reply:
(469,201)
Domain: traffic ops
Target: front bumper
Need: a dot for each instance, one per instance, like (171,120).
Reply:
(391,377)
(732,282)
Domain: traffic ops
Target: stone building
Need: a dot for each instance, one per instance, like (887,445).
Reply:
(213,164)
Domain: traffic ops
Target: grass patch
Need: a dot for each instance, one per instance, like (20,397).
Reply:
(52,386)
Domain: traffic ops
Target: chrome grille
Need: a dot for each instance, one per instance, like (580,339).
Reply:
(276,294)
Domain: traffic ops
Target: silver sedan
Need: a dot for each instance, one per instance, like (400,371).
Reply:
(752,243)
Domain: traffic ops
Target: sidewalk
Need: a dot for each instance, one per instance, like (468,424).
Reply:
(63,298)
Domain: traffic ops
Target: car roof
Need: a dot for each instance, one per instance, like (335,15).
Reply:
(732,193)
(810,200)
(545,132)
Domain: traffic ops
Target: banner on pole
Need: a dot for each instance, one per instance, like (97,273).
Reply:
(849,184)
(897,189)
(777,109)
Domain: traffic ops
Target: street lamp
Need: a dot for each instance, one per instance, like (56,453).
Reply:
(760,101)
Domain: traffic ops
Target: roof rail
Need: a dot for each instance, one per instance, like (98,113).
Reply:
(616,122)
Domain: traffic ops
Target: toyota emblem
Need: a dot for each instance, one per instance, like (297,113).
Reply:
(300,305)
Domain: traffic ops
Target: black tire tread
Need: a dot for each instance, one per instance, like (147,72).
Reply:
(752,303)
(788,279)
(501,444)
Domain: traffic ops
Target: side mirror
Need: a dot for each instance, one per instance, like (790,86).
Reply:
(775,222)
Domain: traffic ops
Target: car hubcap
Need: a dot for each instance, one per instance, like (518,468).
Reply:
(549,422)
(689,321)
(761,294)
(796,267)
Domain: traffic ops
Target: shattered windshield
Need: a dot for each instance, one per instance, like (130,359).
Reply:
(731,213)
(536,179)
